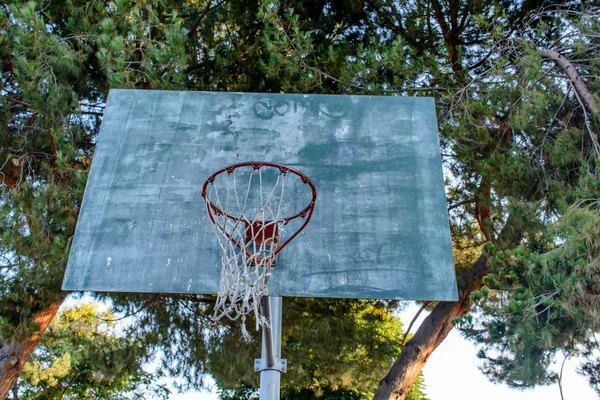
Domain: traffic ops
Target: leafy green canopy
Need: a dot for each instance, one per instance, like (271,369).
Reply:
(330,348)
(82,357)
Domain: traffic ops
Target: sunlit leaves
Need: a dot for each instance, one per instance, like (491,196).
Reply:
(83,356)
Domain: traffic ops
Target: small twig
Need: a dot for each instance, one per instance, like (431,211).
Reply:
(326,75)
(15,390)
(460,203)
(560,378)
(144,307)
(18,102)
(91,105)
(587,122)
(99,114)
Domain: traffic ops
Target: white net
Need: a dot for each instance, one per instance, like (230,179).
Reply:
(246,211)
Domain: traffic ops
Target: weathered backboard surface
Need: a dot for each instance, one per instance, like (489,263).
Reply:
(380,225)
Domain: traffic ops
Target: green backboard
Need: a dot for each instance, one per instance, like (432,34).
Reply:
(380,225)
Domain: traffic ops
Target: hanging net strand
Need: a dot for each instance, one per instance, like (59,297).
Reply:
(247,220)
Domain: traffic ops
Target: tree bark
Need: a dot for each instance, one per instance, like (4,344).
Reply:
(13,356)
(430,334)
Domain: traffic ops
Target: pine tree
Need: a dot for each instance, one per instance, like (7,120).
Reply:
(516,89)
(58,63)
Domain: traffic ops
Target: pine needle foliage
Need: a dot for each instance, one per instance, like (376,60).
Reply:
(58,62)
(516,86)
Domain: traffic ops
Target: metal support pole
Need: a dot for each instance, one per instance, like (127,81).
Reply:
(271,365)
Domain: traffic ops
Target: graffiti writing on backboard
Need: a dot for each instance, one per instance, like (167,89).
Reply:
(268,109)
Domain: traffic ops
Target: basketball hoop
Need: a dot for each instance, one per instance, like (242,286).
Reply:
(246,204)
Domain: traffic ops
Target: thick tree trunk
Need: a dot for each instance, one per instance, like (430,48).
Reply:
(430,334)
(13,356)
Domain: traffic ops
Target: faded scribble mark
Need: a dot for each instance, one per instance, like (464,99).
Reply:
(335,110)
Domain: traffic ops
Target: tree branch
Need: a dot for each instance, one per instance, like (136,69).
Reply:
(200,18)
(574,77)
(451,35)
(482,210)
(430,334)
(423,306)
(582,92)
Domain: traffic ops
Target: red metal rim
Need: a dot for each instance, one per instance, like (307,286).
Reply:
(305,213)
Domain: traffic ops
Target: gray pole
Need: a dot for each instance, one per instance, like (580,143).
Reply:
(271,365)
